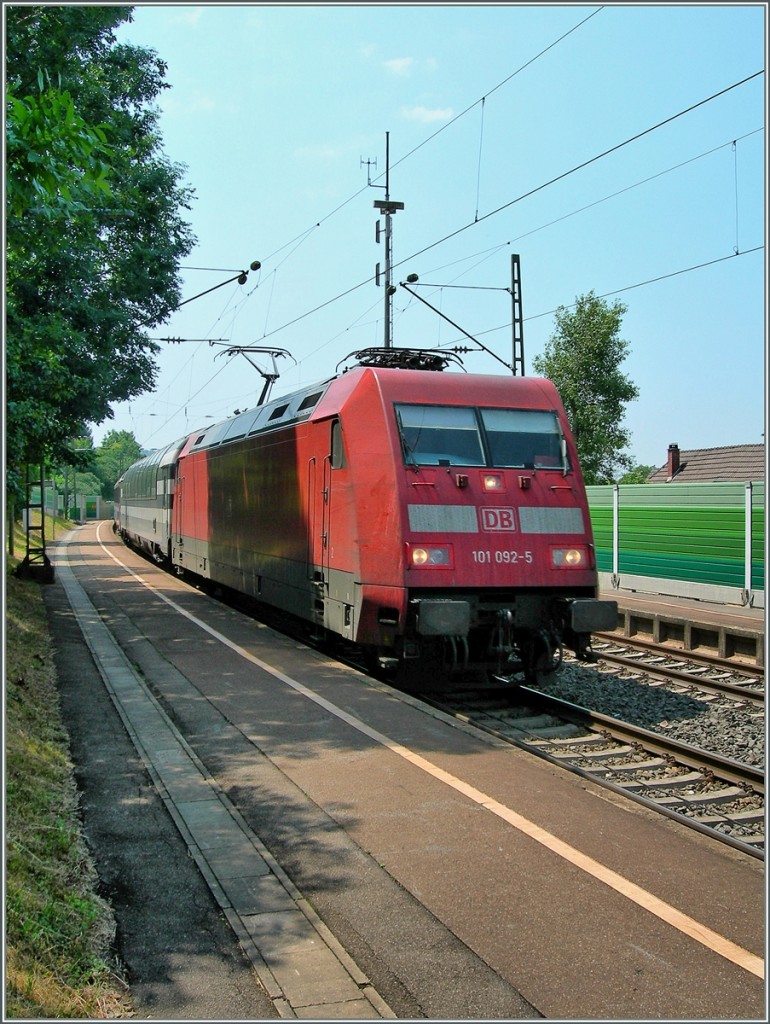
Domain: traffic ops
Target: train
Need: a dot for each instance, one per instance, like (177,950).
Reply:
(436,520)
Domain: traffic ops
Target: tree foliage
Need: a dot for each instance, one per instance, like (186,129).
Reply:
(117,452)
(637,475)
(44,137)
(583,358)
(100,468)
(94,224)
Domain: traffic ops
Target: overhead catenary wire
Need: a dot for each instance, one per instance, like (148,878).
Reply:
(523,196)
(735,175)
(299,239)
(499,85)
(478,171)
(492,250)
(189,399)
(502,245)
(506,326)
(685,270)
(631,287)
(668,120)
(303,235)
(584,164)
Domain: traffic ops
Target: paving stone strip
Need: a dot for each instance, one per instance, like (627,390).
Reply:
(301,965)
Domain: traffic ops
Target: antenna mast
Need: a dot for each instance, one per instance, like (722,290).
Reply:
(387,207)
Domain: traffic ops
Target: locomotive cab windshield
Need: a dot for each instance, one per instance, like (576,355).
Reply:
(433,435)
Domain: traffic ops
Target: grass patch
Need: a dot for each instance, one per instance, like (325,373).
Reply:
(58,930)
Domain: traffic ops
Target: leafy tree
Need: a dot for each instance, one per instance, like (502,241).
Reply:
(117,452)
(94,228)
(583,358)
(637,475)
(44,135)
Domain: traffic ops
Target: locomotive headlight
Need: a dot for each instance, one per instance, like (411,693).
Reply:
(492,482)
(569,558)
(434,556)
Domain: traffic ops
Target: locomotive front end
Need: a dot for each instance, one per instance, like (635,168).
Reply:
(497,550)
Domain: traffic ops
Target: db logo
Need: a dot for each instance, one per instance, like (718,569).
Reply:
(496,519)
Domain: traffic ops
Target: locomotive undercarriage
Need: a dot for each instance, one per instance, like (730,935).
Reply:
(507,638)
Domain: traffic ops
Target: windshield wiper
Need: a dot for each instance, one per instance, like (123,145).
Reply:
(408,452)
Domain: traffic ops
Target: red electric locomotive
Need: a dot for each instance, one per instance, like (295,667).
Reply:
(438,520)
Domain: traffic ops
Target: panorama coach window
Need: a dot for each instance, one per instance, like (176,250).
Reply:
(524,438)
(436,435)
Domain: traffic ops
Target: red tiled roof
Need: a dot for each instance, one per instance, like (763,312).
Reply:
(711,465)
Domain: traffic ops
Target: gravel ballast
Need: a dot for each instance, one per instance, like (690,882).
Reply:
(719,725)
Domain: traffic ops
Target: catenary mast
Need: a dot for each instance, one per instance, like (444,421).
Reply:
(388,207)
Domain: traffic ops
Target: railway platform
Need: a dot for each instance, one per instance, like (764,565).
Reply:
(727,631)
(373,857)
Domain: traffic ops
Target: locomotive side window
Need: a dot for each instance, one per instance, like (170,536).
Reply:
(524,438)
(338,449)
(435,435)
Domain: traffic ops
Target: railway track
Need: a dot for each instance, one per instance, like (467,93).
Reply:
(702,672)
(746,668)
(715,795)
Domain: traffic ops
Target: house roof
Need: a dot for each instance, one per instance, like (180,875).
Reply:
(711,465)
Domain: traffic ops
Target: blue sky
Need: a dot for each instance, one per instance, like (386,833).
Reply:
(273,108)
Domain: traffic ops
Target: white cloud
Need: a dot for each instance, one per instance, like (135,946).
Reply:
(201,101)
(189,16)
(401,66)
(426,115)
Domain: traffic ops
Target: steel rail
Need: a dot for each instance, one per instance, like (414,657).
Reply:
(712,660)
(686,678)
(725,768)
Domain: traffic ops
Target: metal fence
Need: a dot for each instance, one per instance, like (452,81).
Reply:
(78,507)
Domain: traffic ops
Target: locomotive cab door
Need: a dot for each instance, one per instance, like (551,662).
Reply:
(331,537)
